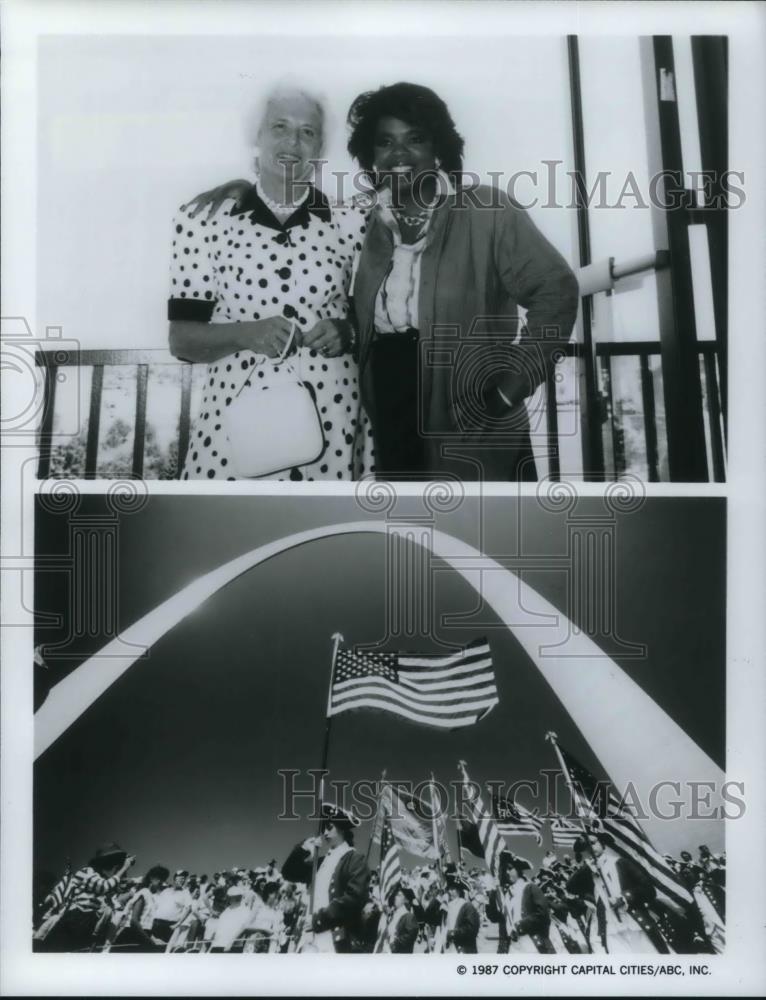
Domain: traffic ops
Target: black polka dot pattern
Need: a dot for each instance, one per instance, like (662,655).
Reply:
(247,271)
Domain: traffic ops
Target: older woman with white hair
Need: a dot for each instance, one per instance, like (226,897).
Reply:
(262,289)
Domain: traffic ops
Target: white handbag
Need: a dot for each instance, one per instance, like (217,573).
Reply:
(272,423)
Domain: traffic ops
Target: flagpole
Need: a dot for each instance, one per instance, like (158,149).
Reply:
(377,814)
(553,738)
(383,928)
(337,639)
(434,827)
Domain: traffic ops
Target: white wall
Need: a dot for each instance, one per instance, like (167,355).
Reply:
(131,126)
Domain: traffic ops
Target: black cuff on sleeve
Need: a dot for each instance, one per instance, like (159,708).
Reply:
(196,310)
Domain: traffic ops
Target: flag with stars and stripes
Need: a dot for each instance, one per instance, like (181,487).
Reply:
(435,690)
(564,833)
(492,843)
(390,877)
(390,866)
(513,820)
(598,803)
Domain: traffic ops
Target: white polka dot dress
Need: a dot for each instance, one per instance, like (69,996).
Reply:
(244,265)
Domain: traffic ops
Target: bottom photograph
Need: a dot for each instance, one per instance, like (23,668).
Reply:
(380,724)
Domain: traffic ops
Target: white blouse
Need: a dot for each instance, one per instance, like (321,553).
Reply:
(396,304)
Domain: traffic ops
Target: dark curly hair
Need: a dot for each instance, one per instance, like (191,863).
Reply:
(159,872)
(411,103)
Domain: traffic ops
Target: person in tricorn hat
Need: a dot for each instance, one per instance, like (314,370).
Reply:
(341,884)
(495,908)
(621,892)
(403,925)
(527,910)
(462,921)
(82,897)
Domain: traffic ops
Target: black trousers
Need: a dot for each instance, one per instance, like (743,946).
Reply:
(163,929)
(74,932)
(399,448)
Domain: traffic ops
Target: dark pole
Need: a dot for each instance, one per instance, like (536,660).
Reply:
(672,212)
(590,412)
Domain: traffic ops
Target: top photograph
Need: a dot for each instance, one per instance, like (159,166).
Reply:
(480,259)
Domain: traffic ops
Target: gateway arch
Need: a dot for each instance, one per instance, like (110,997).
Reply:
(635,740)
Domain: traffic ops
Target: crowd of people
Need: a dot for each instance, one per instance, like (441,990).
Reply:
(590,901)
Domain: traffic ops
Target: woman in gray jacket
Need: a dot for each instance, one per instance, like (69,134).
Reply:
(445,365)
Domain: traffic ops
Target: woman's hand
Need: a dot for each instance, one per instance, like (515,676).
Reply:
(330,337)
(215,197)
(266,336)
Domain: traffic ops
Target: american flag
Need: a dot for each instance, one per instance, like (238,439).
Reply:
(564,833)
(598,801)
(513,820)
(443,691)
(491,841)
(390,876)
(390,867)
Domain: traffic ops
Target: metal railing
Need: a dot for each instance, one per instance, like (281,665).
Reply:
(605,414)
(594,358)
(51,361)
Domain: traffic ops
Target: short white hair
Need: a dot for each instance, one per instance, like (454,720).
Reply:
(287,86)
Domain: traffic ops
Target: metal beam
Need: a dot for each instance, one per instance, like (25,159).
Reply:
(590,402)
(687,458)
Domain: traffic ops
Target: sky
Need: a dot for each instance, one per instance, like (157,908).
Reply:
(179,760)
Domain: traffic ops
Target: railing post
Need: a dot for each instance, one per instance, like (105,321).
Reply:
(45,434)
(139,433)
(94,420)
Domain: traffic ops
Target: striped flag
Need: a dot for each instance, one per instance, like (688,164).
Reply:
(490,839)
(469,838)
(443,691)
(598,800)
(492,844)
(513,820)
(390,876)
(390,866)
(59,895)
(564,833)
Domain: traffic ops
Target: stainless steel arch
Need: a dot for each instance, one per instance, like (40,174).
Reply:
(633,737)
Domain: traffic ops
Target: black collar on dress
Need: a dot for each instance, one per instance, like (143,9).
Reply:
(315,204)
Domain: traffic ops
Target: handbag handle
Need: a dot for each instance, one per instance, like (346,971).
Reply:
(283,355)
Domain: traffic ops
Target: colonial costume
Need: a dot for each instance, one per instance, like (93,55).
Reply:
(340,887)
